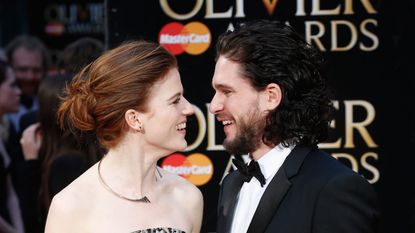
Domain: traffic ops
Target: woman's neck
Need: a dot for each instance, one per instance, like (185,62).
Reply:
(131,171)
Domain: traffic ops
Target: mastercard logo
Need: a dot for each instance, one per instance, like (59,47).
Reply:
(193,38)
(196,168)
(54,29)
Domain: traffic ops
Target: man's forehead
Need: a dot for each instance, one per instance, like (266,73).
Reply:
(236,82)
(23,51)
(25,57)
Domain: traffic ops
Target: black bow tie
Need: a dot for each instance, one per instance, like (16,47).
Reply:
(252,170)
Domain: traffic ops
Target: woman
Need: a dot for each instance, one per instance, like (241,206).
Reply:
(132,98)
(10,218)
(63,157)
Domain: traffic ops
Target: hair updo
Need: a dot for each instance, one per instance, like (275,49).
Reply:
(120,79)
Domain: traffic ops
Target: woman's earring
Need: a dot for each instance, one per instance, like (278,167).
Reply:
(140,128)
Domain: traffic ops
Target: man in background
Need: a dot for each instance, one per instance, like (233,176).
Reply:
(28,57)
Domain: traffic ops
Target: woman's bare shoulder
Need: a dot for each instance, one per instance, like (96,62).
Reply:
(183,190)
(68,206)
(187,196)
(78,190)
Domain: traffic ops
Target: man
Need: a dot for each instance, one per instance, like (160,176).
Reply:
(28,57)
(274,105)
(73,58)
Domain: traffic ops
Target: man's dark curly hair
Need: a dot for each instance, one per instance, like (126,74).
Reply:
(272,52)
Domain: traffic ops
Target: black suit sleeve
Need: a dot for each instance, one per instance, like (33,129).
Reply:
(346,204)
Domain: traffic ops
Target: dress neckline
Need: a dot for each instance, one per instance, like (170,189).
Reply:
(160,230)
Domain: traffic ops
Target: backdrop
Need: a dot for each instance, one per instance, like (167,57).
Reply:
(368,46)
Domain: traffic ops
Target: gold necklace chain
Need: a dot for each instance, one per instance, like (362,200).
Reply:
(107,187)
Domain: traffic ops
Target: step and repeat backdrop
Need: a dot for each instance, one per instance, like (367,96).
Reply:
(368,47)
(359,40)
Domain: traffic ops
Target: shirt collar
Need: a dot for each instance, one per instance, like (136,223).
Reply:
(271,162)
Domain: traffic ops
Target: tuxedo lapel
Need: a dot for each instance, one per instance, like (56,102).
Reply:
(276,190)
(270,201)
(231,187)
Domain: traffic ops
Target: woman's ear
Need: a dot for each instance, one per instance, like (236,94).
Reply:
(273,95)
(133,121)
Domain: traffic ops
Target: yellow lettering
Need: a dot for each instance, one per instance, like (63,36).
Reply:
(317,11)
(369,167)
(167,9)
(369,34)
(353,162)
(314,38)
(334,33)
(359,126)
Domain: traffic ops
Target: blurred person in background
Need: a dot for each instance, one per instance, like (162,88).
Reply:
(62,156)
(10,217)
(74,57)
(29,58)
(80,53)
(51,162)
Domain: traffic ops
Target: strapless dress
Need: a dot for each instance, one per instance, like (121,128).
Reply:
(160,230)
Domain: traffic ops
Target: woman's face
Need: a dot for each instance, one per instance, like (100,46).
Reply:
(9,94)
(165,122)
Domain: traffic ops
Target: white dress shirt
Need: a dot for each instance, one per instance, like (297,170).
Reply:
(251,192)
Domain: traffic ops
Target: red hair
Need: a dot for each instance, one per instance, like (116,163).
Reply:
(118,80)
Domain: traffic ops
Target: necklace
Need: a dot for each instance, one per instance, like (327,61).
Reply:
(107,187)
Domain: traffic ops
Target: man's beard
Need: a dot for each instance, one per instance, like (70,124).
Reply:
(248,136)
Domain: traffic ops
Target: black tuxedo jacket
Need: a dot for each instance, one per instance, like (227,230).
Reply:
(311,193)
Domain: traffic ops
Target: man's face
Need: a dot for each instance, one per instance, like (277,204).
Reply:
(28,68)
(238,106)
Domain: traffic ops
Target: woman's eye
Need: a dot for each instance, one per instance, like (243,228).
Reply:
(176,101)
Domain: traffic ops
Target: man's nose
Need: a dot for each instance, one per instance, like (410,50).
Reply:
(215,105)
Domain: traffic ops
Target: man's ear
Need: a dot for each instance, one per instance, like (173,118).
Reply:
(133,121)
(273,95)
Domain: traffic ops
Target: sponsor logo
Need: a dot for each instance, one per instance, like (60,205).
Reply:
(54,29)
(74,19)
(196,168)
(193,38)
